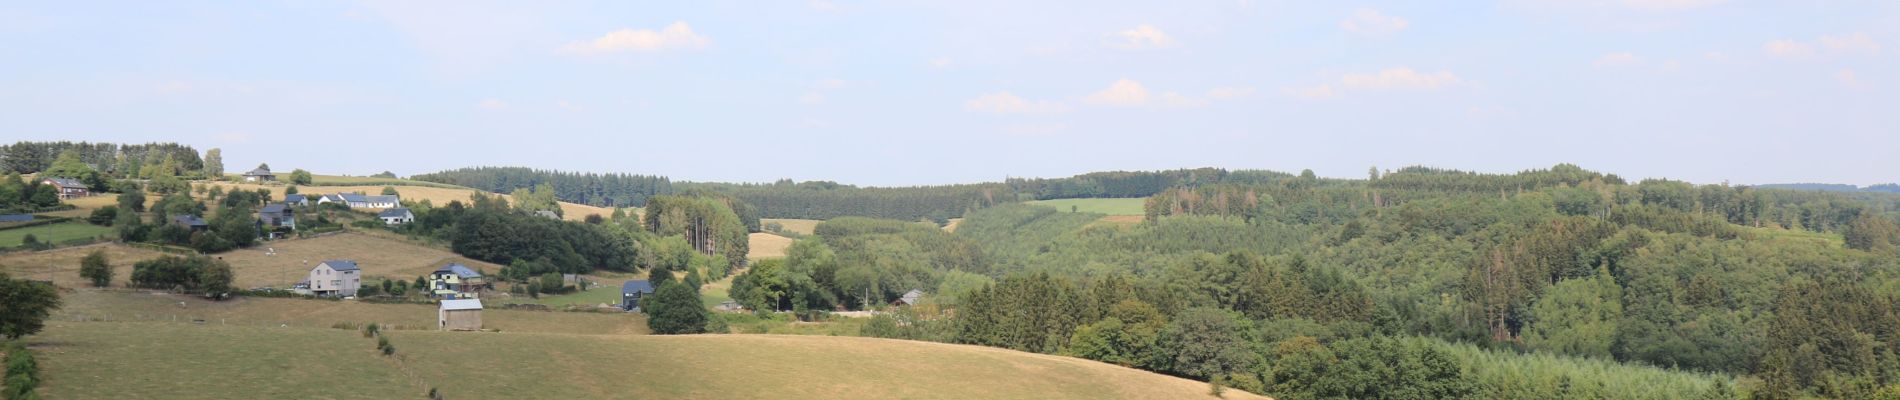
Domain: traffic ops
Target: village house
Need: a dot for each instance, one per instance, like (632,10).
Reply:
(296,200)
(260,175)
(396,216)
(276,215)
(455,281)
(191,221)
(359,200)
(68,188)
(460,315)
(338,278)
(632,291)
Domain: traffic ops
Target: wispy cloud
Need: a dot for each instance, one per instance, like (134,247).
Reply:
(679,35)
(1399,78)
(1141,37)
(491,104)
(1007,103)
(1313,92)
(1617,60)
(1124,93)
(1847,44)
(1230,93)
(1370,22)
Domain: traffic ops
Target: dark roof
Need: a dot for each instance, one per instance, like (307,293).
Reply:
(341,265)
(912,296)
(65,183)
(353,197)
(293,198)
(639,286)
(459,270)
(272,208)
(397,212)
(189,220)
(258,172)
(16,217)
(382,199)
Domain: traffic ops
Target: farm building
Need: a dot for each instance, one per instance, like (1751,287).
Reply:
(68,188)
(632,291)
(260,175)
(296,200)
(339,278)
(909,298)
(460,315)
(191,221)
(396,216)
(455,281)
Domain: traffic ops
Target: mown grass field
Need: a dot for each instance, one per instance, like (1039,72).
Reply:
(765,245)
(549,366)
(164,360)
(801,226)
(145,305)
(54,233)
(1100,206)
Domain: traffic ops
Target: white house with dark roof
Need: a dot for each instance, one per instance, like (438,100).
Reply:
(296,200)
(276,215)
(338,278)
(396,216)
(260,175)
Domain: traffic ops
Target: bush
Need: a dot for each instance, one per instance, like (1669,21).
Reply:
(22,373)
(95,268)
(369,224)
(104,216)
(674,309)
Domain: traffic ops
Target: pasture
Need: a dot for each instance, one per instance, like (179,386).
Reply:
(1111,207)
(54,233)
(437,195)
(800,226)
(765,245)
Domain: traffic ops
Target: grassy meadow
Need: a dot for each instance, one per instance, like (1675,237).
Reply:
(765,245)
(165,360)
(801,226)
(438,195)
(1110,207)
(54,233)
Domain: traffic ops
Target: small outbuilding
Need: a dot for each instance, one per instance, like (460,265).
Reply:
(632,291)
(460,315)
(396,216)
(909,298)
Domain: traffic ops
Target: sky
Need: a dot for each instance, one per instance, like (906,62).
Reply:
(936,92)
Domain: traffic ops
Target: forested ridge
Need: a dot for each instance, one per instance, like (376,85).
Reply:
(1550,283)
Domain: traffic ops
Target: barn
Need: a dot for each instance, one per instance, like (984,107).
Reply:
(460,315)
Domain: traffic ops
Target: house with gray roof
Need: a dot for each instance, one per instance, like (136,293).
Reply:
(260,175)
(456,281)
(191,221)
(632,291)
(396,216)
(68,188)
(909,298)
(296,200)
(338,278)
(276,216)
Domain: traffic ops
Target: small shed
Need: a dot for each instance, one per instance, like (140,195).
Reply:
(460,315)
(632,291)
(910,298)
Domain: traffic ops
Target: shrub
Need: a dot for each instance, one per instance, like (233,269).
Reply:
(95,268)
(104,216)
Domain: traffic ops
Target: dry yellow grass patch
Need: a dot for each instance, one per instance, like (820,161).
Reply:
(89,203)
(134,305)
(802,226)
(435,195)
(952,225)
(62,264)
(380,257)
(766,245)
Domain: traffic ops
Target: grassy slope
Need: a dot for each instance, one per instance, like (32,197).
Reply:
(54,233)
(817,367)
(766,245)
(1100,206)
(802,226)
(154,360)
(380,258)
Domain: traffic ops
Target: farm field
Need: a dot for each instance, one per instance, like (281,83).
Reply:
(86,205)
(95,360)
(380,258)
(1100,206)
(137,305)
(54,233)
(802,226)
(766,245)
(554,366)
(438,195)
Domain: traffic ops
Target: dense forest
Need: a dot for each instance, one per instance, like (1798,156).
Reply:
(116,160)
(1553,283)
(605,190)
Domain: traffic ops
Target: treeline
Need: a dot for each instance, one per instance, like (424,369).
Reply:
(488,229)
(1130,184)
(860,263)
(711,225)
(603,190)
(117,160)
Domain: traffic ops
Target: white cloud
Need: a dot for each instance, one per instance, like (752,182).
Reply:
(1125,92)
(1399,78)
(1142,37)
(1172,99)
(1315,92)
(1847,77)
(675,36)
(1006,103)
(1617,60)
(1230,93)
(1858,43)
(1368,21)
(812,98)
(1851,44)
(491,104)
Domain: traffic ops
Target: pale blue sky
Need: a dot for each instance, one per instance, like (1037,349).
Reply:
(917,92)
